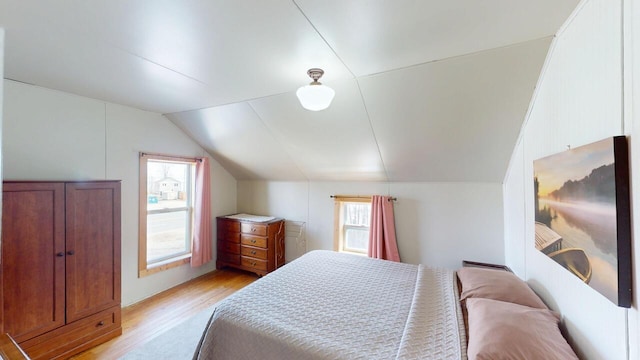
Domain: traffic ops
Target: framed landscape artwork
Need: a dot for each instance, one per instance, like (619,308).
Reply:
(582,215)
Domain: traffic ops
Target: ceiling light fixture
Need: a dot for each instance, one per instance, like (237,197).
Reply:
(315,96)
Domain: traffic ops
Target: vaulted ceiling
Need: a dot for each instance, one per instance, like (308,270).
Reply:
(426,90)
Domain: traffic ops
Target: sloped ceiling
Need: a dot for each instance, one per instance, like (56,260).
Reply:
(425,90)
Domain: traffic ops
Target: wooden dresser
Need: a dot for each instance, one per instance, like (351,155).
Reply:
(252,246)
(60,269)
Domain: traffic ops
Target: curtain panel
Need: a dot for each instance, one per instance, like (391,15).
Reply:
(202,240)
(382,230)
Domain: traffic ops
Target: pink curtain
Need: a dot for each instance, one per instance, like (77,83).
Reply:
(201,241)
(382,230)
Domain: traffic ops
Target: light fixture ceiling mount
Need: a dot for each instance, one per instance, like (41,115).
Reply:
(315,74)
(315,96)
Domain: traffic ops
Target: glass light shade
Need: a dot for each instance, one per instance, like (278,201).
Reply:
(315,96)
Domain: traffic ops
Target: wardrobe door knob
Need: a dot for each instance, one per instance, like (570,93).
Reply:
(70,252)
(60,254)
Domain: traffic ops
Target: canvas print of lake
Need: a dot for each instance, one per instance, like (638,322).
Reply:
(582,214)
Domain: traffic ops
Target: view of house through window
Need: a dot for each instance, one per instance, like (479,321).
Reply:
(352,217)
(169,209)
(166,210)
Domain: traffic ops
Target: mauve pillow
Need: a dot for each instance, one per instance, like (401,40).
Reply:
(500,330)
(497,285)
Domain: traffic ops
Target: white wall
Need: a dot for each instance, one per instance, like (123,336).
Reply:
(51,135)
(579,100)
(1,100)
(436,223)
(632,121)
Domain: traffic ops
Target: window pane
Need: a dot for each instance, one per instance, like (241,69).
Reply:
(357,214)
(356,239)
(167,235)
(167,185)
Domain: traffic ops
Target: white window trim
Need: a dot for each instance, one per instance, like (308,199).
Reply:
(145,269)
(339,227)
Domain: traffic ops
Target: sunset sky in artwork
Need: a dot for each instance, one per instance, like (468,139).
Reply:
(574,164)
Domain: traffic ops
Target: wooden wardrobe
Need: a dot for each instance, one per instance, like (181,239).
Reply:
(60,269)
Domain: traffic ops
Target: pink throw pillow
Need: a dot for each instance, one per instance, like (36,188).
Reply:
(500,330)
(497,285)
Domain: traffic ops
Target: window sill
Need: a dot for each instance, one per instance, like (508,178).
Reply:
(354,253)
(165,265)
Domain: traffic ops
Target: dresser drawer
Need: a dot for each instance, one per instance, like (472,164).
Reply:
(254,229)
(257,241)
(228,226)
(254,263)
(75,334)
(233,248)
(229,258)
(233,237)
(229,230)
(254,252)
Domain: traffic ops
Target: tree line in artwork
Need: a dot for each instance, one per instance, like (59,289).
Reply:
(541,215)
(598,186)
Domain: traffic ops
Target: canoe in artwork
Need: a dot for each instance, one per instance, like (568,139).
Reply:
(574,260)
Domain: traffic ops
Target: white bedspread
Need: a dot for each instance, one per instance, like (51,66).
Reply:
(327,305)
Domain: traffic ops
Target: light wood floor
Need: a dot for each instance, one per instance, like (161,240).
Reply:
(145,320)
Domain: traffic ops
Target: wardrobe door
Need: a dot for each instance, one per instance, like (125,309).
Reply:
(92,247)
(33,262)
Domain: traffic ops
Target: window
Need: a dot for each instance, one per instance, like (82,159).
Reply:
(351,224)
(166,212)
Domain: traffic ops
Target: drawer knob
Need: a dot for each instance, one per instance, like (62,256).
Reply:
(253,263)
(101,323)
(253,241)
(253,229)
(253,252)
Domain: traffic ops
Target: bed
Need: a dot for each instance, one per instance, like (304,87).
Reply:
(328,305)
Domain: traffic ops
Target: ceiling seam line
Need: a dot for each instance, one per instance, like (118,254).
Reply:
(190,136)
(354,76)
(164,67)
(373,133)
(228,103)
(277,139)
(24,82)
(323,38)
(102,40)
(154,63)
(454,57)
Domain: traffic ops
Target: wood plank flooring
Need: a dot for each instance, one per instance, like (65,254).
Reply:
(145,320)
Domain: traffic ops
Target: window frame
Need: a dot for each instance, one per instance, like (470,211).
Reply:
(145,269)
(339,227)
